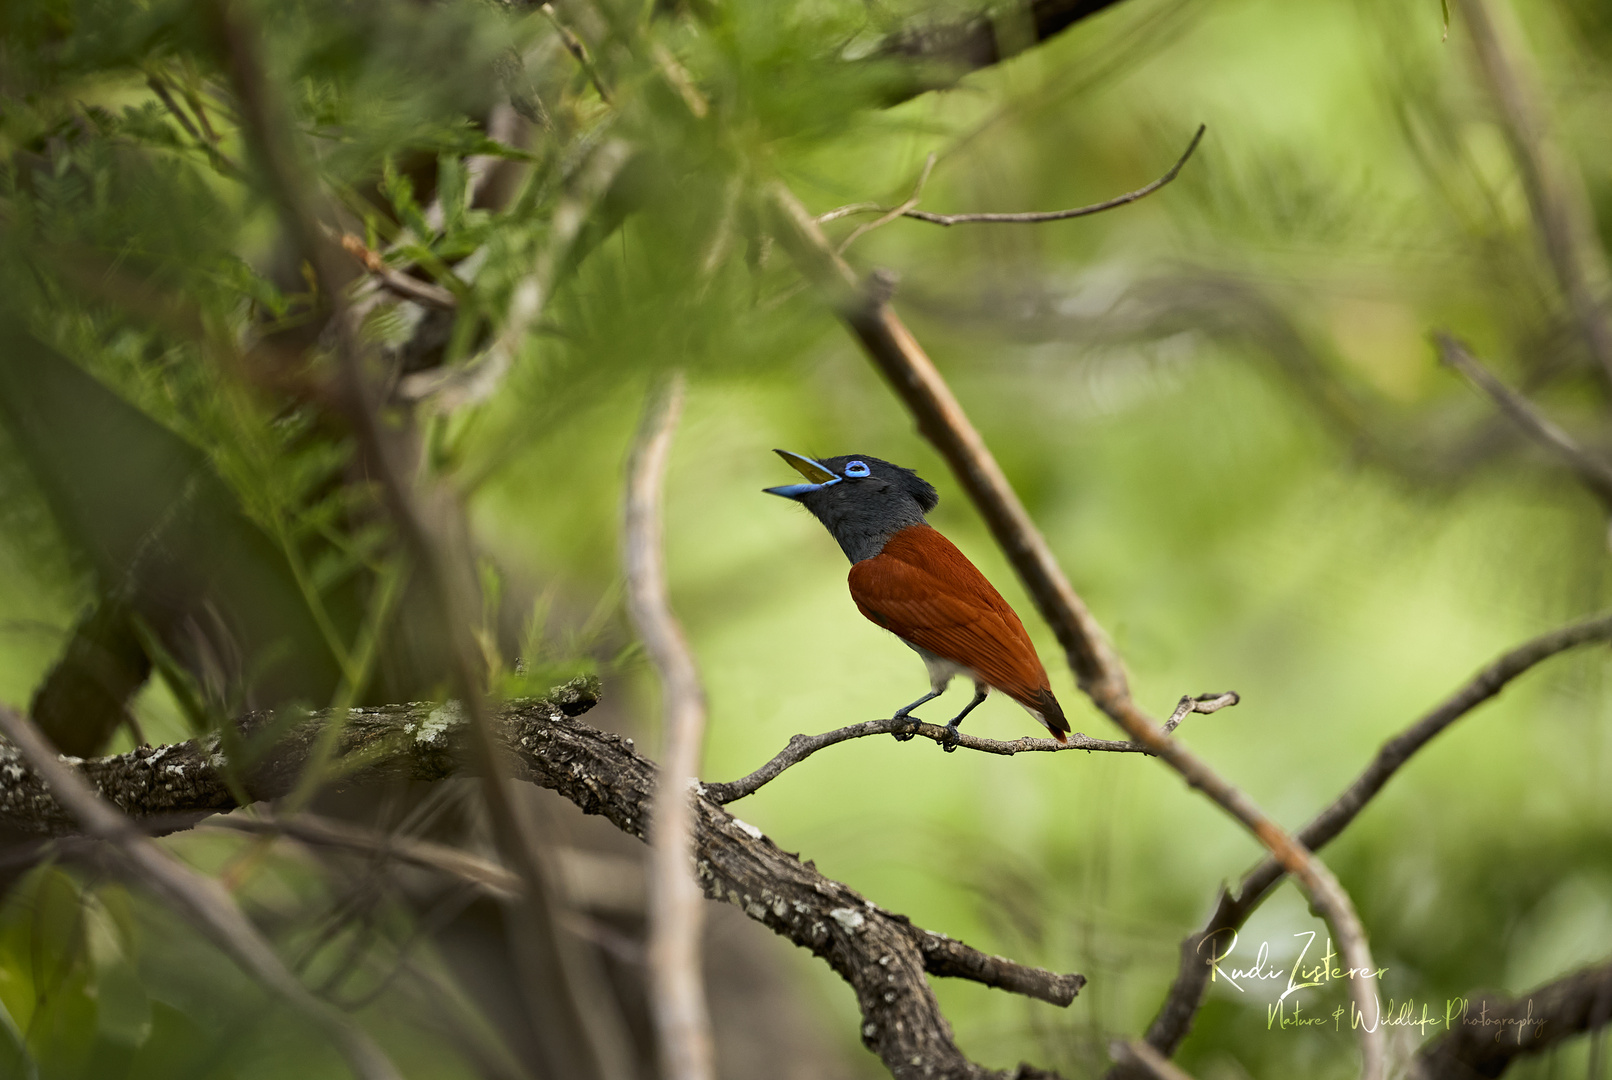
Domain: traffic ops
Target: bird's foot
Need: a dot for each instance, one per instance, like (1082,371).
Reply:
(903,736)
(948,742)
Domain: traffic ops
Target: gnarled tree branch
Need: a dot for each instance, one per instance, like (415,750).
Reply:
(881,954)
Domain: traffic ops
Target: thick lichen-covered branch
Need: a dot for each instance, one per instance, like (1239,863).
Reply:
(882,955)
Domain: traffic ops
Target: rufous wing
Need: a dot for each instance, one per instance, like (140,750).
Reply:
(923,590)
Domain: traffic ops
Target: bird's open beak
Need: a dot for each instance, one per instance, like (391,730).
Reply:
(811,470)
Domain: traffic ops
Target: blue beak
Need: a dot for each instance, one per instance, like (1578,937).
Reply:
(811,470)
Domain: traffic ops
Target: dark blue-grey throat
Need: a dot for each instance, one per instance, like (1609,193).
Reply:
(861,500)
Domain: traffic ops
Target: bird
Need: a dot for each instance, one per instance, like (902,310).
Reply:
(912,581)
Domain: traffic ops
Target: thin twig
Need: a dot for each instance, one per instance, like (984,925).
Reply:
(579,51)
(940,418)
(906,209)
(1594,473)
(197,897)
(802,747)
(890,215)
(1174,1018)
(1561,207)
(424,293)
(676,986)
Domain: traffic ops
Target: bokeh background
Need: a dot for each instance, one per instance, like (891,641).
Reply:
(1221,404)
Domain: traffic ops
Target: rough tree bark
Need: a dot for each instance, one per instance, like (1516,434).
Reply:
(881,954)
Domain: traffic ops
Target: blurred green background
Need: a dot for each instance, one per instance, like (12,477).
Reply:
(1220,403)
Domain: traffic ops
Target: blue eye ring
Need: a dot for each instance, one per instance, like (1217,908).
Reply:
(857,469)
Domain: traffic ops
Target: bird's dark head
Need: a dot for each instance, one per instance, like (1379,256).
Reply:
(862,500)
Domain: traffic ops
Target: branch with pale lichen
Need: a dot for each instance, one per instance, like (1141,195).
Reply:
(882,955)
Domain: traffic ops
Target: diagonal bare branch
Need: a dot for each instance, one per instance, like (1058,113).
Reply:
(1594,473)
(940,418)
(677,987)
(198,897)
(1174,1018)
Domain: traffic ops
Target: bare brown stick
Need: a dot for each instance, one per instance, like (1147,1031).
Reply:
(676,986)
(1556,195)
(942,421)
(802,747)
(197,897)
(424,293)
(583,1040)
(881,954)
(1492,1032)
(1594,473)
(1174,1018)
(908,208)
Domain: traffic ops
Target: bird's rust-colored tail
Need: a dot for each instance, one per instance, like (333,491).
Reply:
(1050,713)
